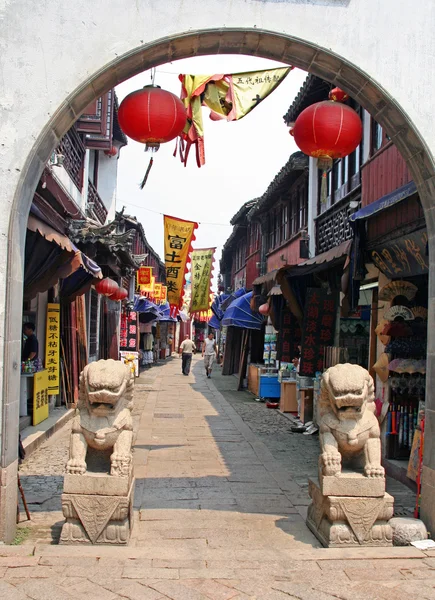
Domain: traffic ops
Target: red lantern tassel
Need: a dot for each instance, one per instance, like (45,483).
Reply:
(144,180)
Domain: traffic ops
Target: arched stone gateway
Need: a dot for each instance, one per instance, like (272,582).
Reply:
(56,57)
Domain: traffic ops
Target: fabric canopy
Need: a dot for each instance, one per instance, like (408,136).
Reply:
(239,314)
(385,202)
(143,305)
(214,322)
(78,275)
(216,305)
(165,313)
(237,294)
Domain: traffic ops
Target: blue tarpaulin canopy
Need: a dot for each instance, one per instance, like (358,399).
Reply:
(142,304)
(239,314)
(214,322)
(216,306)
(385,202)
(165,312)
(225,303)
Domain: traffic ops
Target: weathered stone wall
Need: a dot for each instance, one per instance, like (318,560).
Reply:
(56,57)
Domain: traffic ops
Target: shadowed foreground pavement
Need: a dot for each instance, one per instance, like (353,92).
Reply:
(218,515)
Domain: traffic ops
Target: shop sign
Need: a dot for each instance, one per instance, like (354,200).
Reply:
(144,276)
(404,257)
(318,329)
(40,397)
(202,267)
(52,345)
(290,337)
(131,359)
(157,292)
(128,332)
(179,235)
(164,294)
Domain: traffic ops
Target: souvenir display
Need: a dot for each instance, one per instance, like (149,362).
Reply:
(398,288)
(398,311)
(381,367)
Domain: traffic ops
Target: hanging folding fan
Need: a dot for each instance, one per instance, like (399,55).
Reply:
(399,311)
(384,339)
(419,312)
(398,288)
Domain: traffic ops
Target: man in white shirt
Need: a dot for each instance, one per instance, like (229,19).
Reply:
(209,353)
(187,347)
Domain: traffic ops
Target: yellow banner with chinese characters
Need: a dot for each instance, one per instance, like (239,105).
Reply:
(179,236)
(52,346)
(202,267)
(157,292)
(40,397)
(148,289)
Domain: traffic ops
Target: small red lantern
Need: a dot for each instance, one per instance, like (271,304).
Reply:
(328,130)
(120,294)
(112,151)
(106,287)
(152,116)
(264,309)
(337,95)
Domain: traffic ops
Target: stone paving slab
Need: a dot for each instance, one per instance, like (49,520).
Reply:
(219,497)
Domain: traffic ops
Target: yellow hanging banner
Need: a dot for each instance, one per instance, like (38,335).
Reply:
(40,397)
(157,292)
(52,346)
(202,267)
(179,236)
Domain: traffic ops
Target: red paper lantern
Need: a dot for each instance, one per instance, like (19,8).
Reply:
(327,130)
(337,95)
(152,116)
(112,151)
(106,287)
(120,294)
(264,309)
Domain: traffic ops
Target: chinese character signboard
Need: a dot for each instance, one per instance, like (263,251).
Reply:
(128,332)
(202,267)
(40,397)
(179,236)
(164,294)
(403,257)
(144,276)
(52,345)
(318,329)
(157,292)
(289,337)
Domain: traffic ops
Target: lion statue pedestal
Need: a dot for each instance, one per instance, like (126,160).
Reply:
(98,487)
(349,504)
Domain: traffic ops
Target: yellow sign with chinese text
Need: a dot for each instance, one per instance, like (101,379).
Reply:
(157,292)
(40,397)
(202,267)
(52,346)
(179,235)
(148,289)
(144,275)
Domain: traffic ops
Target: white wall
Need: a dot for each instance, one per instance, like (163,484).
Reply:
(107,176)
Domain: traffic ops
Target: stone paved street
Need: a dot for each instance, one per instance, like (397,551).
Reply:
(220,503)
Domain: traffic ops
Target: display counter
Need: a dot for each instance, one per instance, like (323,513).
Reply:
(289,398)
(26,393)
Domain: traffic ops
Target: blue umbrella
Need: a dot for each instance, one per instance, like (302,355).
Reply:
(239,314)
(165,311)
(144,305)
(232,297)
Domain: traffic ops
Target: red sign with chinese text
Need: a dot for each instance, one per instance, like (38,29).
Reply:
(318,329)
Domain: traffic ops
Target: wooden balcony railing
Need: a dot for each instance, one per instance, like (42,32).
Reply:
(333,227)
(98,208)
(71,146)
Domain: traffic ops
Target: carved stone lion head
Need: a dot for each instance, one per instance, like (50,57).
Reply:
(348,390)
(106,387)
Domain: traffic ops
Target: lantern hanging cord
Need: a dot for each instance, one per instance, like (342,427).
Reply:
(153,75)
(156,212)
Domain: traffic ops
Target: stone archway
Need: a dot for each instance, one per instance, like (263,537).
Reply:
(49,80)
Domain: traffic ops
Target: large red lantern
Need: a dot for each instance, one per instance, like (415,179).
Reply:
(152,116)
(120,294)
(328,130)
(106,287)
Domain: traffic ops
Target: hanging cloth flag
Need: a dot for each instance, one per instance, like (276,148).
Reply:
(202,268)
(144,276)
(229,97)
(179,236)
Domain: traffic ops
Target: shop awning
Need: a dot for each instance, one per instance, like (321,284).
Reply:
(216,305)
(165,313)
(214,322)
(143,305)
(237,294)
(51,256)
(325,260)
(268,278)
(385,202)
(239,314)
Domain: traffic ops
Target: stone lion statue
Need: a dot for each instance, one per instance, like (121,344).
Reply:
(103,418)
(349,429)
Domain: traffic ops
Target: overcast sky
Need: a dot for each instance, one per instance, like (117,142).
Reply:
(242,157)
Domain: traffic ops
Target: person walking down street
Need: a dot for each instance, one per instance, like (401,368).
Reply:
(187,348)
(209,353)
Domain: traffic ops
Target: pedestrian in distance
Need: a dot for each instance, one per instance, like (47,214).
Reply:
(187,348)
(209,353)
